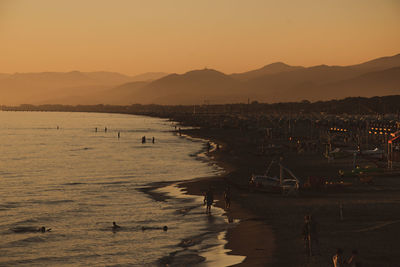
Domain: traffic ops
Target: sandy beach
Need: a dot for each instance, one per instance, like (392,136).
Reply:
(270,231)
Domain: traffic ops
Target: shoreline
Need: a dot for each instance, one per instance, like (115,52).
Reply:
(242,238)
(252,237)
(203,249)
(371,210)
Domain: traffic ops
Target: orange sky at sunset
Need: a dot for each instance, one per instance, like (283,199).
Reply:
(132,37)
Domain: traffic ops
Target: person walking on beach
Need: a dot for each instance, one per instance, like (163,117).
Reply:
(209,199)
(310,235)
(153,140)
(227,197)
(338,258)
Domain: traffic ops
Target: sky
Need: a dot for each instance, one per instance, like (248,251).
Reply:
(137,36)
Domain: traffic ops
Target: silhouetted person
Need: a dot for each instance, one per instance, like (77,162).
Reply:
(119,135)
(95,129)
(179,131)
(143,139)
(313,232)
(306,235)
(115,226)
(105,129)
(153,140)
(165,228)
(58,127)
(338,258)
(208,147)
(209,200)
(227,197)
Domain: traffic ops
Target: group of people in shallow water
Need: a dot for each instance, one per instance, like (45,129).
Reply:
(115,226)
(209,198)
(153,140)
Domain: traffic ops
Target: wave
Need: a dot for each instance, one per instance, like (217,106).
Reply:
(51,202)
(74,183)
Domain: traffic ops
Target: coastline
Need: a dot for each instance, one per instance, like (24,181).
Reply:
(249,241)
(371,216)
(205,248)
(252,237)
(270,232)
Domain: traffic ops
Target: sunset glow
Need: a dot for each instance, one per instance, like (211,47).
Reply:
(133,37)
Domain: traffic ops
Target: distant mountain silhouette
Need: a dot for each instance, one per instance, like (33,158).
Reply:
(148,76)
(380,63)
(384,82)
(193,87)
(273,68)
(275,82)
(44,86)
(312,83)
(120,95)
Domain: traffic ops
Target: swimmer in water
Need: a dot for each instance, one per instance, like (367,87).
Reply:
(115,226)
(43,229)
(29,229)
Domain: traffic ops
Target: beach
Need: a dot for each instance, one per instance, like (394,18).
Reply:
(261,228)
(270,228)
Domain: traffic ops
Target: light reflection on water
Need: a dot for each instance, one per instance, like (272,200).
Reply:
(78,181)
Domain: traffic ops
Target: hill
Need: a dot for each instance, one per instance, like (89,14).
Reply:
(274,68)
(275,82)
(193,87)
(43,87)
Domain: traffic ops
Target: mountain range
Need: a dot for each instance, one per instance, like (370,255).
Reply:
(276,82)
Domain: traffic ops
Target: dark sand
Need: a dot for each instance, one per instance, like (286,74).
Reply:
(270,232)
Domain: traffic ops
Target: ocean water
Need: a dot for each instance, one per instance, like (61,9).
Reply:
(77,181)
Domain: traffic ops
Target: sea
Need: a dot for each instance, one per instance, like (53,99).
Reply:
(71,173)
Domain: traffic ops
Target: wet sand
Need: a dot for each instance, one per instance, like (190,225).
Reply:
(270,232)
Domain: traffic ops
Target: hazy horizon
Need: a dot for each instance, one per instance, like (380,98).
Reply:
(189,70)
(134,37)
